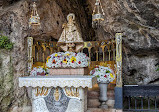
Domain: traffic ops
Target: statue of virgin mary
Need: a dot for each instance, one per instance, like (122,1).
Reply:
(70,39)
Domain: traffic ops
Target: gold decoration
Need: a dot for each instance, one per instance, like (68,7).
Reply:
(119,59)
(42,91)
(30,50)
(74,92)
(56,94)
(98,15)
(77,92)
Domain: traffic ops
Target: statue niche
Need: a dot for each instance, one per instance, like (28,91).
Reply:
(70,39)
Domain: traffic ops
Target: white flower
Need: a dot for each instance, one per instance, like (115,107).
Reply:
(104,74)
(37,70)
(67,59)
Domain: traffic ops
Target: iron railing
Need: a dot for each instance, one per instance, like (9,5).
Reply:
(143,98)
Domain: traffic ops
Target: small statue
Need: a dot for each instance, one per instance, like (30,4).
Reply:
(70,39)
(56,94)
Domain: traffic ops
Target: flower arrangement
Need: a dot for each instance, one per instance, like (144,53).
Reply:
(39,71)
(67,59)
(103,74)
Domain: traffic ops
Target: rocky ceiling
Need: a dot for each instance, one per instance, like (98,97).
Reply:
(138,20)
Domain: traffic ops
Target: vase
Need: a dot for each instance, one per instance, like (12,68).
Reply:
(103,94)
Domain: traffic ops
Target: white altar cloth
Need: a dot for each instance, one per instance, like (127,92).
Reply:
(58,81)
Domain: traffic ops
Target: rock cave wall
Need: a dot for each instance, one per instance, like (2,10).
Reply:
(14,16)
(138,20)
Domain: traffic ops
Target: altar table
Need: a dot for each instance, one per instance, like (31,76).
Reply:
(60,93)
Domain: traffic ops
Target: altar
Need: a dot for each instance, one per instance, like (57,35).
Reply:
(59,77)
(66,93)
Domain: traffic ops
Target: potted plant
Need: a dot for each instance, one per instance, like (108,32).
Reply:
(104,76)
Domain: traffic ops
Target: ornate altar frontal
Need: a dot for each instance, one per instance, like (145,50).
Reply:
(58,93)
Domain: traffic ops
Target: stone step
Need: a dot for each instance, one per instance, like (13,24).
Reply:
(102,110)
(93,99)
(94,110)
(110,103)
(93,103)
(95,94)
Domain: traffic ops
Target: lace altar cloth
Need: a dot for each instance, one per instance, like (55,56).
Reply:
(58,81)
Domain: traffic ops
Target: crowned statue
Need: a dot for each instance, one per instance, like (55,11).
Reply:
(70,39)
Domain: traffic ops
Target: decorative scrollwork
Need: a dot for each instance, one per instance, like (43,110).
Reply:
(119,59)
(73,92)
(41,91)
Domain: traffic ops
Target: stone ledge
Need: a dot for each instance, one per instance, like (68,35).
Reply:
(93,103)
(102,110)
(93,94)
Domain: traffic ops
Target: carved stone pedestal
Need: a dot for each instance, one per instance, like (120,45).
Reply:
(58,93)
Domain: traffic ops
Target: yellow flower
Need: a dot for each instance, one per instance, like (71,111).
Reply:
(67,54)
(56,55)
(64,61)
(40,67)
(73,59)
(48,58)
(111,75)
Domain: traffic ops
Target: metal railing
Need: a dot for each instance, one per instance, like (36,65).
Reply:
(141,98)
(96,50)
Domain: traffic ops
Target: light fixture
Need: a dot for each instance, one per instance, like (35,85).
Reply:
(98,15)
(34,19)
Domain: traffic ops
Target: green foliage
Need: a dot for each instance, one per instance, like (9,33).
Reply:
(97,76)
(157,68)
(5,42)
(107,71)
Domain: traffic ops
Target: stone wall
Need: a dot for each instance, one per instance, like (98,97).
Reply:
(6,80)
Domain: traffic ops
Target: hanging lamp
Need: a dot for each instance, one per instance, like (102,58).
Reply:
(34,19)
(98,15)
